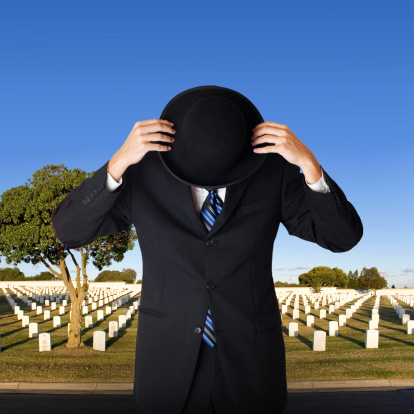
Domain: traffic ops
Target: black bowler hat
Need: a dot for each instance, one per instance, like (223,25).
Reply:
(212,145)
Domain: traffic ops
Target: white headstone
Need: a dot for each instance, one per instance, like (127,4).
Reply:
(410,327)
(331,309)
(348,313)
(107,310)
(33,330)
(319,341)
(372,325)
(122,321)
(85,310)
(293,329)
(94,306)
(371,338)
(100,316)
(341,320)
(99,340)
(39,310)
(307,309)
(322,314)
(45,342)
(333,328)
(88,321)
(61,310)
(310,320)
(295,314)
(53,306)
(34,305)
(25,321)
(56,322)
(375,317)
(113,329)
(405,318)
(46,315)
(316,305)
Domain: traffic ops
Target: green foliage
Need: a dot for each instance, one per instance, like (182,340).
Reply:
(26,230)
(285,284)
(322,276)
(127,275)
(353,280)
(393,287)
(43,276)
(11,274)
(371,279)
(139,281)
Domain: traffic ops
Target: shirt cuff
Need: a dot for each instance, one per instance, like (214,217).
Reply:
(320,186)
(111,185)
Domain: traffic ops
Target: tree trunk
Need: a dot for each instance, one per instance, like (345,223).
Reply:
(75,332)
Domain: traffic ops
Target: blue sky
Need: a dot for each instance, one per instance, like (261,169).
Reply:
(76,78)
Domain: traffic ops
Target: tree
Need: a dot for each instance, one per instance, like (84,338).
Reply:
(321,276)
(8,274)
(43,276)
(127,275)
(393,287)
(371,279)
(353,280)
(27,234)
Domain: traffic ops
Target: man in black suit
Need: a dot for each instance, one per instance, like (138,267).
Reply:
(209,328)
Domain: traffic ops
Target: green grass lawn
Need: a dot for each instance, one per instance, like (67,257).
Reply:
(345,356)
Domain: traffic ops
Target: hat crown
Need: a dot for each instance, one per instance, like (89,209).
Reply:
(212,145)
(215,127)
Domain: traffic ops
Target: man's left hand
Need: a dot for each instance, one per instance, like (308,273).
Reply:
(288,145)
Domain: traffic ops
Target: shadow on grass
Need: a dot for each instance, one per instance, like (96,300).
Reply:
(350,339)
(305,340)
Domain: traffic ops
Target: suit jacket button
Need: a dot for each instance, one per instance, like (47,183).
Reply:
(210,286)
(197,330)
(209,242)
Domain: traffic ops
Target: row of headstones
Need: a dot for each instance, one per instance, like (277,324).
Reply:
(405,318)
(100,301)
(319,339)
(341,318)
(315,299)
(99,337)
(407,299)
(333,326)
(337,303)
(106,297)
(62,311)
(34,329)
(45,341)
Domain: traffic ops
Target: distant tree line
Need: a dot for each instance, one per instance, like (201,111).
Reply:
(324,276)
(126,275)
(13,274)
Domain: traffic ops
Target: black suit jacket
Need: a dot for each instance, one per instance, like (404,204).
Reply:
(187,269)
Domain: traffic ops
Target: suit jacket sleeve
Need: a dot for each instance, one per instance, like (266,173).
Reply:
(327,219)
(90,211)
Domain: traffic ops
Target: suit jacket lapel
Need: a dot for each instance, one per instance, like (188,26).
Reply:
(233,195)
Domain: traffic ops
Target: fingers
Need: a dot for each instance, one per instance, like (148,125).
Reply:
(153,121)
(271,124)
(271,139)
(149,146)
(269,130)
(155,127)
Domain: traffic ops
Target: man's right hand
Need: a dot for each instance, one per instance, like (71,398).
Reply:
(138,144)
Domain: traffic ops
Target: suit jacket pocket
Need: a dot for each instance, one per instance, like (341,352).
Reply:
(254,206)
(267,321)
(151,312)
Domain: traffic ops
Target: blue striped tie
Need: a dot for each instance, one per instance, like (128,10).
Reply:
(209,212)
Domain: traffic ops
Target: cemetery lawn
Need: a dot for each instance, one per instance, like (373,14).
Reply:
(345,356)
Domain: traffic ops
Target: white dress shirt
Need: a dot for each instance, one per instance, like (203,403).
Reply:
(200,194)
